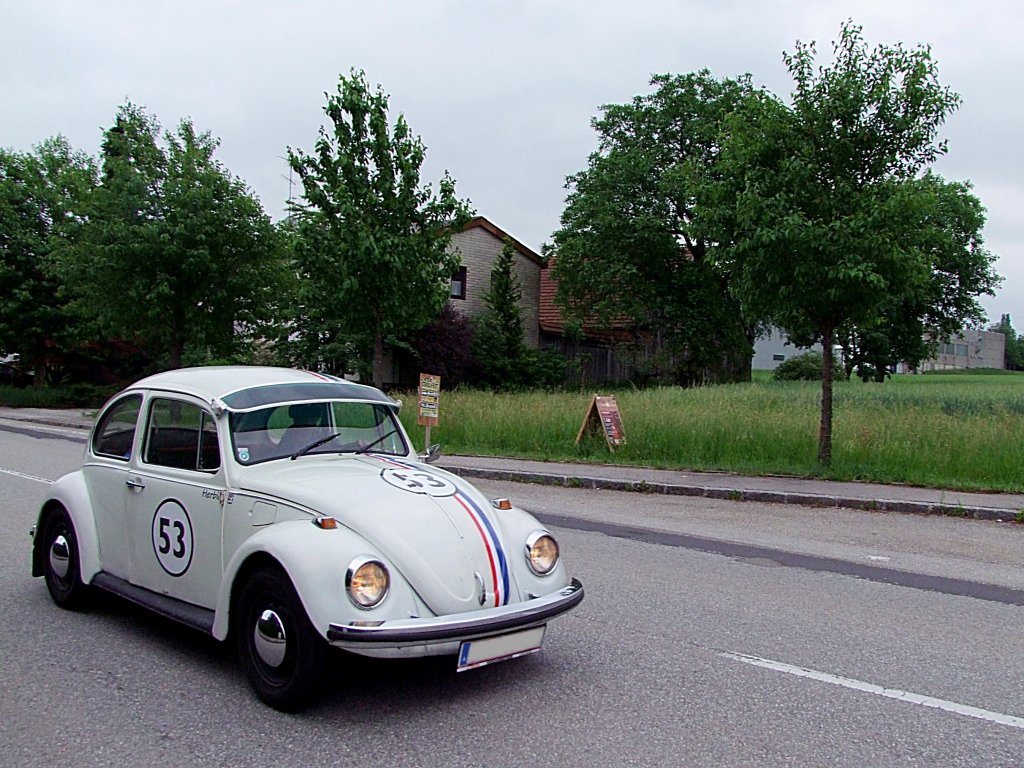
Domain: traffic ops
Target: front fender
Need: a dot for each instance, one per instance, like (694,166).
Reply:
(71,493)
(316,561)
(517,524)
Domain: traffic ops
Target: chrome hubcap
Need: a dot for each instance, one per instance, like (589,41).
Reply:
(269,637)
(60,557)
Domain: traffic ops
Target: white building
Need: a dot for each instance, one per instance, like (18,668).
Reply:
(972,349)
(772,349)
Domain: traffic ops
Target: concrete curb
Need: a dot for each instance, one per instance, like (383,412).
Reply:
(54,423)
(733,494)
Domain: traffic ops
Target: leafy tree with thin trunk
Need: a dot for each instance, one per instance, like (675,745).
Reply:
(176,254)
(822,211)
(41,194)
(371,246)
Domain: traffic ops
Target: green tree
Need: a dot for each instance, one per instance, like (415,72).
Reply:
(627,248)
(177,254)
(1013,357)
(41,195)
(498,347)
(821,211)
(911,322)
(372,243)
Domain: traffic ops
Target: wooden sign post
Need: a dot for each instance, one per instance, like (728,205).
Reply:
(429,404)
(603,416)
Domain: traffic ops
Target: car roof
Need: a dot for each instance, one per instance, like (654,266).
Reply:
(242,387)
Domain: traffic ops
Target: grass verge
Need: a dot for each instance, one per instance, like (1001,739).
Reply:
(959,432)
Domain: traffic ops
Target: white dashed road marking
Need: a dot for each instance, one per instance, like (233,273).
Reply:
(889,693)
(26,477)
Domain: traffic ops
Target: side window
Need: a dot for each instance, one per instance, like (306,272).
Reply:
(115,433)
(181,435)
(209,450)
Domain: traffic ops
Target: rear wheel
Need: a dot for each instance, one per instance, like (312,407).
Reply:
(281,653)
(60,561)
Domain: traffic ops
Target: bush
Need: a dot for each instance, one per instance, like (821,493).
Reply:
(545,367)
(807,367)
(443,349)
(78,395)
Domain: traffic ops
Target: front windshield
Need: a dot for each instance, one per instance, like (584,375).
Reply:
(308,428)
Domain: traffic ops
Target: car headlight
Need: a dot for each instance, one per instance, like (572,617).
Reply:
(541,553)
(367,582)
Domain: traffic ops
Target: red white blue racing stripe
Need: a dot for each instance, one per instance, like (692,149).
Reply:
(485,528)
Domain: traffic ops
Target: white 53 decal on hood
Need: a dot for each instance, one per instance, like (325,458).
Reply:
(418,481)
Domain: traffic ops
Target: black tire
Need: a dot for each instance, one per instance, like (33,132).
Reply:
(61,564)
(293,681)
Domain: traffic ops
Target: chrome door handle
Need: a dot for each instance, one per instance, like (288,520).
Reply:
(133,483)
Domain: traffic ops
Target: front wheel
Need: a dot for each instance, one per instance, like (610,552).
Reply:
(282,655)
(60,561)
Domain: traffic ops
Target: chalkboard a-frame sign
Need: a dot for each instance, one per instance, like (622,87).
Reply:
(603,416)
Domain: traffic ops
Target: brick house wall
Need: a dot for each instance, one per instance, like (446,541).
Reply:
(478,246)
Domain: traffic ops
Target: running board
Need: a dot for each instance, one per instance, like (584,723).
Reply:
(169,607)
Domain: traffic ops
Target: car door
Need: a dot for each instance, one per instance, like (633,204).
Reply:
(176,508)
(106,471)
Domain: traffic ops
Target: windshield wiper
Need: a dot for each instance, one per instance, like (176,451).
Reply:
(314,444)
(347,447)
(380,439)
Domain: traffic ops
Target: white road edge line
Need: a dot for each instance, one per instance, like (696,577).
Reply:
(889,693)
(27,477)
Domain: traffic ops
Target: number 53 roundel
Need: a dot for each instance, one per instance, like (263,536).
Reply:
(172,537)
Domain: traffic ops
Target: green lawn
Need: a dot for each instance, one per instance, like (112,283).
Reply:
(949,431)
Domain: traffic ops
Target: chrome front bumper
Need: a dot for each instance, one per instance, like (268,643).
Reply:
(371,637)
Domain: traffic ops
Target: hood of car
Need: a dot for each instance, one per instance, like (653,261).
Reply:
(441,534)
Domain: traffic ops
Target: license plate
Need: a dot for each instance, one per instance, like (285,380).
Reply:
(477,653)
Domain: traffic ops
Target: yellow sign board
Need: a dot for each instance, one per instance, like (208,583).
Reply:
(429,400)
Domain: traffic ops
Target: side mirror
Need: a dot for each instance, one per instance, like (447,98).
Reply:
(432,454)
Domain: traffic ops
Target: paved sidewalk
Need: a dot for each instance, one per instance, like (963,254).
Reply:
(78,418)
(717,485)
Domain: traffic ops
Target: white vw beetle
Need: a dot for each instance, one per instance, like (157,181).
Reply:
(288,509)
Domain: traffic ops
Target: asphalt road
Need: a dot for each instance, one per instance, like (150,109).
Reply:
(713,633)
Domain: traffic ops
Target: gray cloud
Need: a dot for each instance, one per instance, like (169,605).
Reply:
(502,93)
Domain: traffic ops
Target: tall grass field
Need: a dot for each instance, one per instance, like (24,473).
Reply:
(961,432)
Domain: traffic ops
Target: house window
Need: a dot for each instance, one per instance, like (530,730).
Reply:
(459,284)
(778,358)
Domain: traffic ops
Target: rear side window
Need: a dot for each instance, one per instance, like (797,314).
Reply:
(115,433)
(181,435)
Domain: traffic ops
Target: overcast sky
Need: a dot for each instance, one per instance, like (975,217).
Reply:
(502,93)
